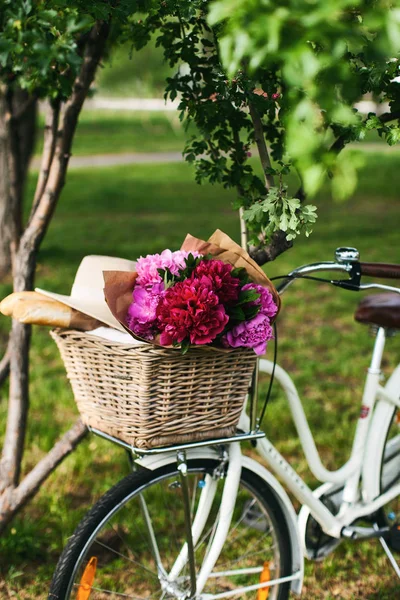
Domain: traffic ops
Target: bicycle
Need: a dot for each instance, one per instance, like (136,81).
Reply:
(202,521)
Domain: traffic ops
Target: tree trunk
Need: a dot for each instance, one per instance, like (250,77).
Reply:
(59,132)
(17,137)
(6,222)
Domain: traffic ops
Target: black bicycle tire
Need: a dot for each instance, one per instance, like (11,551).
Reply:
(126,487)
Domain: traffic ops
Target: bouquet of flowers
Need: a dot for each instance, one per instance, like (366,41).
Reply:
(199,295)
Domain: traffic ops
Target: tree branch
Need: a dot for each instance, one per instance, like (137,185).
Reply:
(243,230)
(389,116)
(267,253)
(261,145)
(49,145)
(278,243)
(341,141)
(13,500)
(5,365)
(15,174)
(39,221)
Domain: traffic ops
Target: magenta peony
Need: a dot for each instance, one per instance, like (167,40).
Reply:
(250,334)
(141,317)
(266,300)
(218,274)
(147,266)
(190,310)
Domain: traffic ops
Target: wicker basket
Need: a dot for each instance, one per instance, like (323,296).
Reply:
(150,396)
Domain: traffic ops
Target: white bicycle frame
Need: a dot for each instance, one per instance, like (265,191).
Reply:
(357,501)
(359,476)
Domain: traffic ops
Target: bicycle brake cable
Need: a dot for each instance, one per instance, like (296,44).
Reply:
(271,381)
(301,277)
(347,285)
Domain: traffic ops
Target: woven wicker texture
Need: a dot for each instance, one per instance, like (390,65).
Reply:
(150,396)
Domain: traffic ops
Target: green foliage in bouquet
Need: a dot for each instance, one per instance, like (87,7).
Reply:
(191,263)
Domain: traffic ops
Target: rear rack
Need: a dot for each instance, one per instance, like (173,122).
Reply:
(240,437)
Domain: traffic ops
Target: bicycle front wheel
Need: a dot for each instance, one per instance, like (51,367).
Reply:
(131,544)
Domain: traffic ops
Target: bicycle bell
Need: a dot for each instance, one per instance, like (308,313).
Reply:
(347,255)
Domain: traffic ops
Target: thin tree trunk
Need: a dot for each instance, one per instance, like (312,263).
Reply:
(58,141)
(277,244)
(18,405)
(17,137)
(6,222)
(24,114)
(261,145)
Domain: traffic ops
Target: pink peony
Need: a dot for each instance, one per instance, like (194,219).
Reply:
(141,317)
(250,334)
(147,266)
(190,309)
(266,300)
(218,275)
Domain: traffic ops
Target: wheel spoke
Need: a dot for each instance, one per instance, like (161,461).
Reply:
(131,560)
(246,555)
(122,595)
(243,516)
(146,527)
(151,535)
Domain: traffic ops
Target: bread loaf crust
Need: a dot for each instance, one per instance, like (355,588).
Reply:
(36,309)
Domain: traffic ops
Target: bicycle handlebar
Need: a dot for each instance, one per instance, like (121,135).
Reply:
(382,270)
(354,269)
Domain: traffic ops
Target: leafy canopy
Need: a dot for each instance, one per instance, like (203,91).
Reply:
(41,40)
(327,54)
(285,72)
(295,69)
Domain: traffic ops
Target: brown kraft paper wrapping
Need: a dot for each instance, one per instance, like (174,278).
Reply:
(221,246)
(118,288)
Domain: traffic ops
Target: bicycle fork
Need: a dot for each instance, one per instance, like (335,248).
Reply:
(195,529)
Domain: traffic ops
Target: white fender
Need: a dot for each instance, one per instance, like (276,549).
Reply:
(156,461)
(376,438)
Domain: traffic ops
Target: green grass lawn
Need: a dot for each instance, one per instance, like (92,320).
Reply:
(133,210)
(134,74)
(112,132)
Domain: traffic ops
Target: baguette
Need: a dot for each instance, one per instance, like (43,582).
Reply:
(36,309)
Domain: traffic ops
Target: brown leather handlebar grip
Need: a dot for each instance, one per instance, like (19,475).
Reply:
(383,270)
